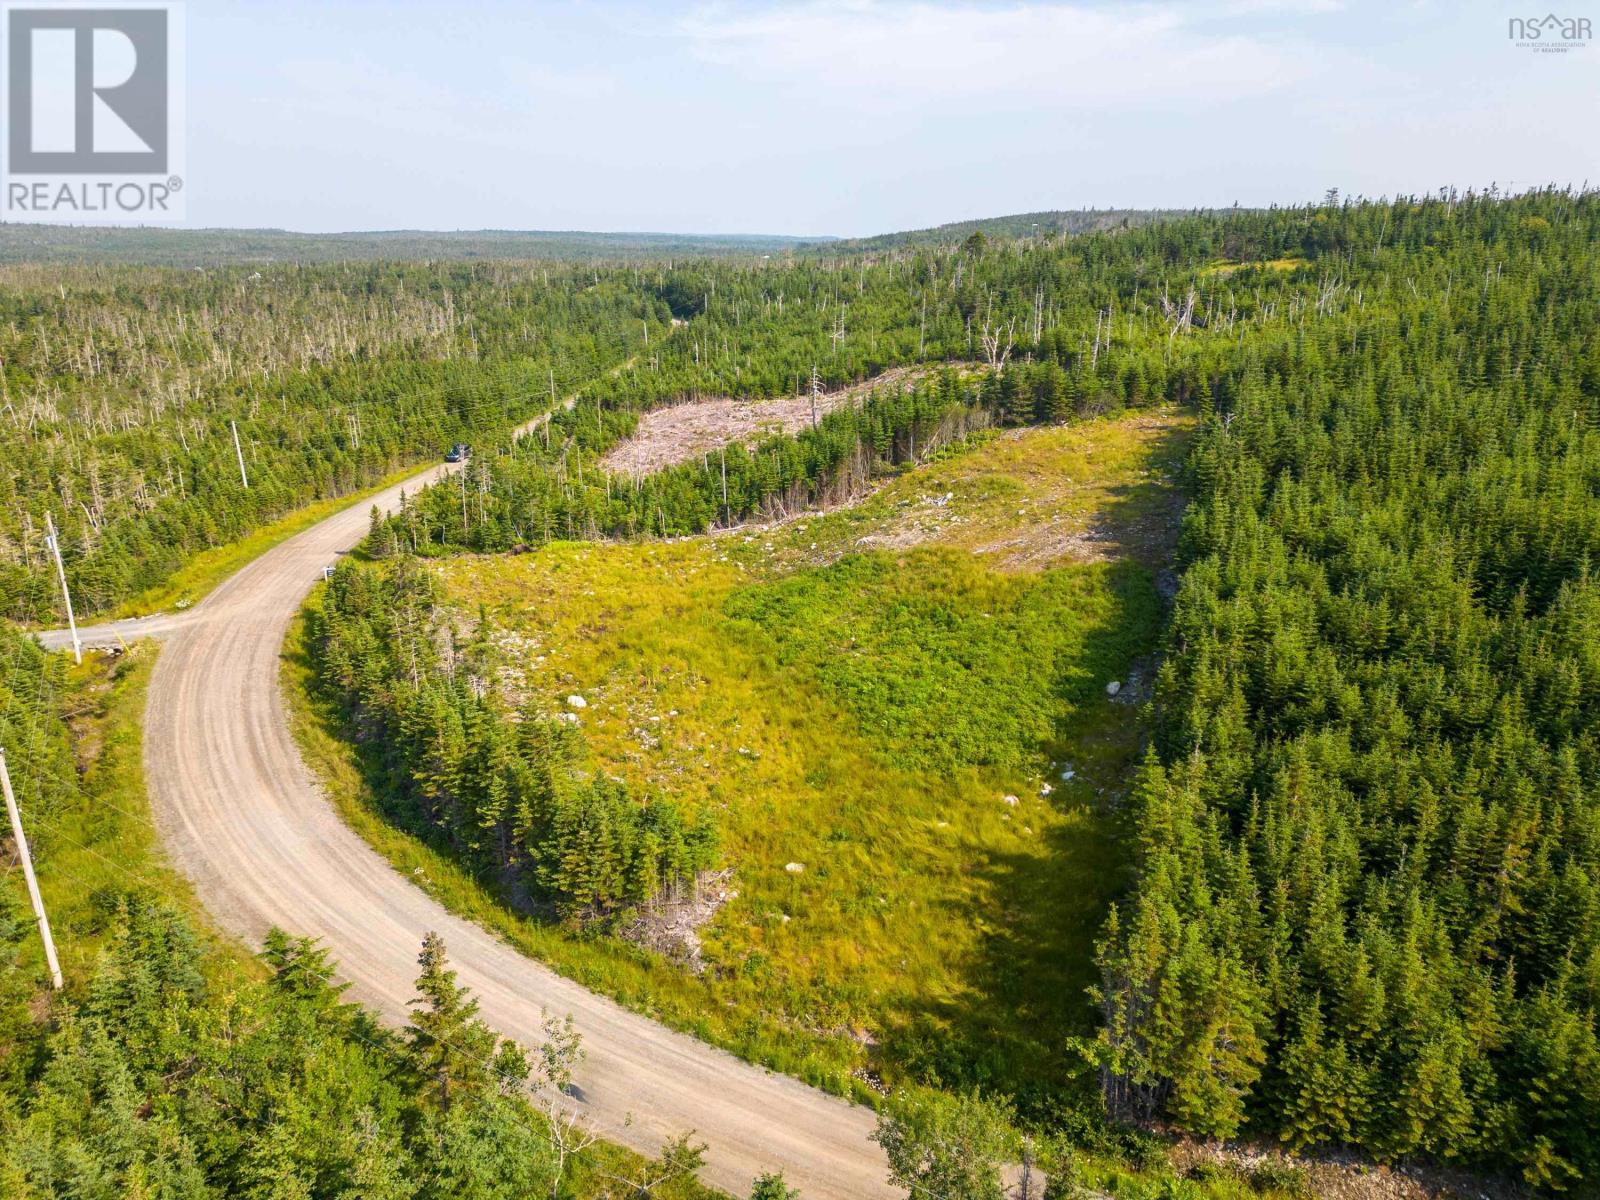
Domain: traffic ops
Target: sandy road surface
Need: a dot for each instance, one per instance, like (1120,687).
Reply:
(242,818)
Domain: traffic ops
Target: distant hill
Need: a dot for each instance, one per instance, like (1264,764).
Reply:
(1085,220)
(21,243)
(215,247)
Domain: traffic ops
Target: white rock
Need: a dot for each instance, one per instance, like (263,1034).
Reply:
(1113,687)
(1044,789)
(1011,800)
(794,868)
(1068,774)
(577,702)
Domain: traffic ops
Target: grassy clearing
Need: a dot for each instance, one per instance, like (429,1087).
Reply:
(1224,267)
(210,567)
(1022,500)
(935,931)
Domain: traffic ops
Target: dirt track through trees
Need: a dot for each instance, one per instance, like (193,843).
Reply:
(242,817)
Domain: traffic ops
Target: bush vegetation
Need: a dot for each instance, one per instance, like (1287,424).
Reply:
(172,1066)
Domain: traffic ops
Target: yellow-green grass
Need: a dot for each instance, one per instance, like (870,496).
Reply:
(1225,267)
(108,845)
(646,983)
(935,932)
(1022,500)
(930,914)
(191,582)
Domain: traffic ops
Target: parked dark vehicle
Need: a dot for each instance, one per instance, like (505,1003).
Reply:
(457,453)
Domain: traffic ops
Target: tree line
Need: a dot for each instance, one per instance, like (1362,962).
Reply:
(1366,910)
(509,792)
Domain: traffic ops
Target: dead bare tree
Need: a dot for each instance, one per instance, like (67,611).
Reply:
(558,1056)
(998,342)
(1179,316)
(569,1137)
(1328,291)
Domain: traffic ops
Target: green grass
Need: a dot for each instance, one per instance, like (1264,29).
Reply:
(950,664)
(1225,267)
(205,570)
(862,709)
(108,846)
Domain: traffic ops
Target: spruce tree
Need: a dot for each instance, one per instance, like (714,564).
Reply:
(451,1051)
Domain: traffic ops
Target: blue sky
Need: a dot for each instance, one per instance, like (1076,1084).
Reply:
(855,116)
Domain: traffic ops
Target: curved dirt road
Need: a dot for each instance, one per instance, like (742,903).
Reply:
(242,818)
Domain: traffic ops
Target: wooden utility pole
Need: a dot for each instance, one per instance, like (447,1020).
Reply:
(53,540)
(235,427)
(27,874)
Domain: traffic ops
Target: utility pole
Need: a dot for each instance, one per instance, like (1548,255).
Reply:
(54,542)
(27,874)
(235,426)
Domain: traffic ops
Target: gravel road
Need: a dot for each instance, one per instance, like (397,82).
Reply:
(242,817)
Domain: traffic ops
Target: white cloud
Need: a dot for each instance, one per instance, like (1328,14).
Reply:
(914,53)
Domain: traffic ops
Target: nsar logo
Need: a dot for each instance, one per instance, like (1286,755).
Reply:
(1549,34)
